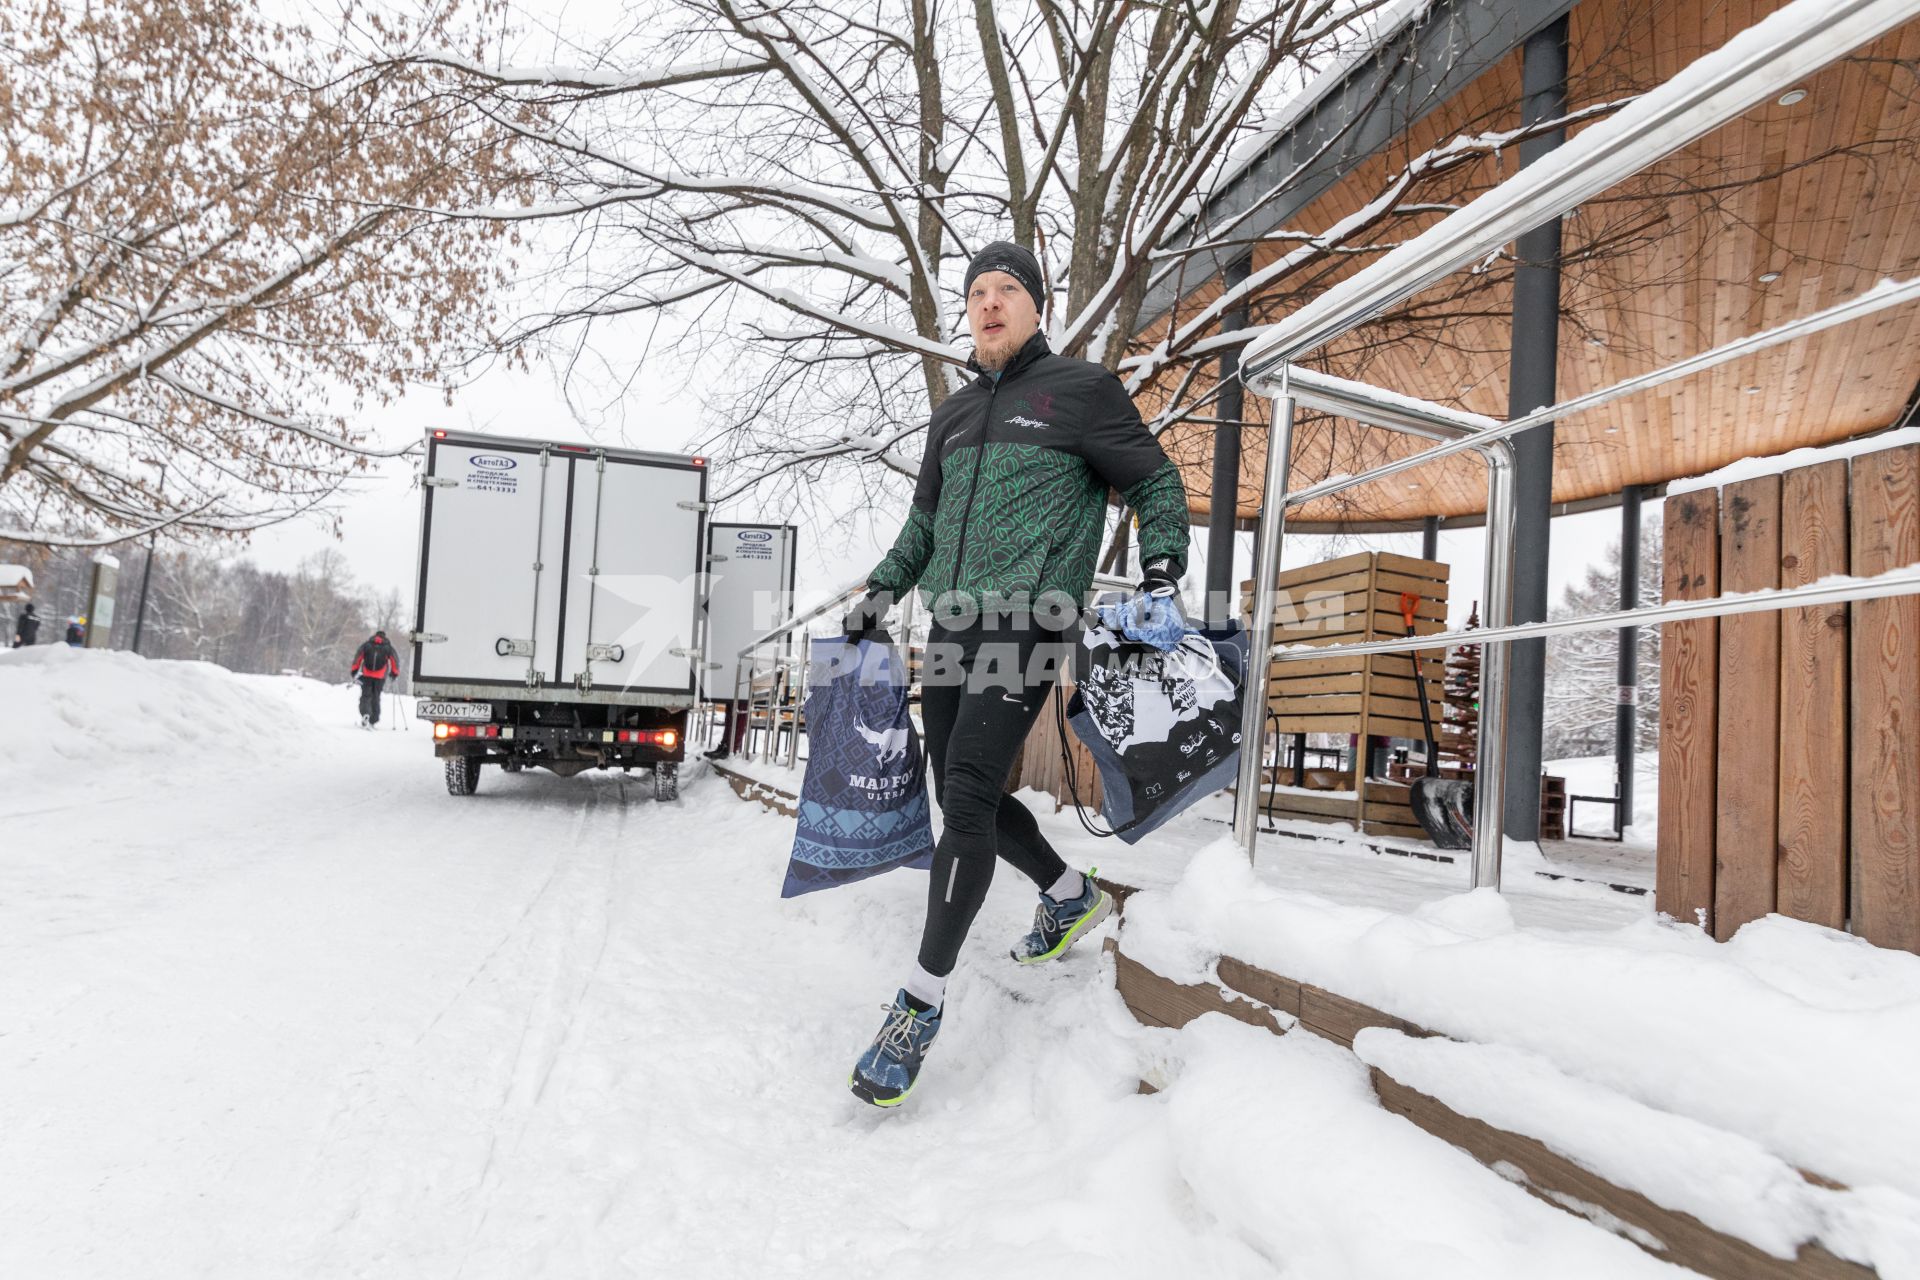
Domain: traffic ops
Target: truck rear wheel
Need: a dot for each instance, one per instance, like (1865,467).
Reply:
(463,775)
(666,782)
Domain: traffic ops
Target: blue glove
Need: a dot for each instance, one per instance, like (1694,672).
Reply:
(1151,615)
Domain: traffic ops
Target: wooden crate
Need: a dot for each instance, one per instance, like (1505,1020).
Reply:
(1343,601)
(1348,600)
(1553,807)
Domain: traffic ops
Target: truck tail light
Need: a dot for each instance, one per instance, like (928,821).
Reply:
(443,730)
(666,738)
(466,731)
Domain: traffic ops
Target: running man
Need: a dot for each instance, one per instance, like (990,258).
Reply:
(1001,539)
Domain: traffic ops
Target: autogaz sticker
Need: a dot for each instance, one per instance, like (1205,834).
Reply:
(753,544)
(493,473)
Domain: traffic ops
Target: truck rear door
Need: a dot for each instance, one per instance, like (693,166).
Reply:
(750,592)
(493,525)
(633,591)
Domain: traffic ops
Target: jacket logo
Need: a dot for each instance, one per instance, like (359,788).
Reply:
(1019,421)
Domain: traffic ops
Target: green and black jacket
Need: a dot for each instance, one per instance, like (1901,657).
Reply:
(1012,493)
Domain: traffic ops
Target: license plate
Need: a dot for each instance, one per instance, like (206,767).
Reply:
(480,712)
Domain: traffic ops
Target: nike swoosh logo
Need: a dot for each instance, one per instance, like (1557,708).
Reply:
(1007,697)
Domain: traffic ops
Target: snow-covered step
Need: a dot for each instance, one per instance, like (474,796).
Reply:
(772,786)
(1689,1192)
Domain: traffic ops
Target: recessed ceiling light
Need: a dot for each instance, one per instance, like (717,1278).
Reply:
(1768,277)
(1596,342)
(1793,97)
(1612,430)
(1466,388)
(1753,391)
(1412,485)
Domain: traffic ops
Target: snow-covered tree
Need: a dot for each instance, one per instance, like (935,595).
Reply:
(802,184)
(1583,669)
(209,226)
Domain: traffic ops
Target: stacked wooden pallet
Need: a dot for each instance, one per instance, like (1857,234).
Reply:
(1387,810)
(1553,807)
(1344,601)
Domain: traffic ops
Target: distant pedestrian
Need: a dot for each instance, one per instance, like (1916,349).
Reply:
(76,633)
(26,628)
(374,665)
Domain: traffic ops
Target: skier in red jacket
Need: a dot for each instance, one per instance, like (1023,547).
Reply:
(374,664)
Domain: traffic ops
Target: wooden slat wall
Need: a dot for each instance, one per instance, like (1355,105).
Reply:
(1746,826)
(1040,765)
(1689,707)
(1790,749)
(1885,754)
(1812,881)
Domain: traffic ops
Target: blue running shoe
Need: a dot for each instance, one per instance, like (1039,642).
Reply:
(1058,925)
(885,1073)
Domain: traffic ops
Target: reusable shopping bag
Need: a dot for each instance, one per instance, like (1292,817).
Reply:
(1162,727)
(863,801)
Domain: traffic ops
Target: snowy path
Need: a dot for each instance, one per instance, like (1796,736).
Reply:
(294,1011)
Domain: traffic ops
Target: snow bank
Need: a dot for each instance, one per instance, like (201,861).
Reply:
(77,718)
(1284,1145)
(1798,1037)
(1727,1181)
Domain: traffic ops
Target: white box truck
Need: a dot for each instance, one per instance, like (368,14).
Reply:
(560,611)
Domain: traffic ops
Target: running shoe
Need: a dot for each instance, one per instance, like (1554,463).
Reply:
(886,1072)
(1058,925)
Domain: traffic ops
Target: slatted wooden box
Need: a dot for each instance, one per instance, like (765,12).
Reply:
(1344,601)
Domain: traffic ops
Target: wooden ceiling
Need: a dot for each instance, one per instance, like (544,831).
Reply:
(1824,193)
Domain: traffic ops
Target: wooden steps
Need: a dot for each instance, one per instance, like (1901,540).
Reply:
(1281,1005)
(747,788)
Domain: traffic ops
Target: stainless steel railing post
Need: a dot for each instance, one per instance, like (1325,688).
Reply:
(1490,769)
(1266,572)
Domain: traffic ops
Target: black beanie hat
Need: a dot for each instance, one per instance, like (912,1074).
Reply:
(1003,255)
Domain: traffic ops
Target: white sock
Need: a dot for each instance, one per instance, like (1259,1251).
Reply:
(1069,886)
(926,988)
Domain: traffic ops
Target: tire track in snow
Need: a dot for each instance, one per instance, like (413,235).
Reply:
(550,1028)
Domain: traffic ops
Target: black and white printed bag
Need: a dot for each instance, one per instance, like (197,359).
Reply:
(1162,727)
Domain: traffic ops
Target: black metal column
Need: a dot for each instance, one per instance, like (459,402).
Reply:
(1531,383)
(1430,538)
(1221,602)
(1627,713)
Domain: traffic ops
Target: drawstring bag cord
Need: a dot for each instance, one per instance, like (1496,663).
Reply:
(1066,761)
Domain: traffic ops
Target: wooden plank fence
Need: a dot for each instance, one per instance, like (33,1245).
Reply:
(1790,741)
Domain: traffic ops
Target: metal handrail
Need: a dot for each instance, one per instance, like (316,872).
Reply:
(820,610)
(1404,414)
(1879,298)
(747,665)
(1839,589)
(1772,55)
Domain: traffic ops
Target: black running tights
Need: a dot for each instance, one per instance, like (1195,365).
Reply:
(976,726)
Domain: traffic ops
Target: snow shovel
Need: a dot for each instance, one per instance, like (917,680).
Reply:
(1443,806)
